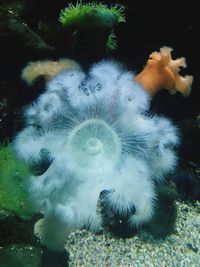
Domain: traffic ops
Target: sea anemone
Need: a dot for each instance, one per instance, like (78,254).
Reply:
(46,68)
(96,131)
(162,72)
(94,16)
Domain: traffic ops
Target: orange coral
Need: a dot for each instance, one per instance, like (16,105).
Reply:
(162,72)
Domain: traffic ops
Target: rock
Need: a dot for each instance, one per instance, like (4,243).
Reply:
(29,256)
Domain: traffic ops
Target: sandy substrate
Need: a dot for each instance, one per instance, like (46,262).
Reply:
(181,249)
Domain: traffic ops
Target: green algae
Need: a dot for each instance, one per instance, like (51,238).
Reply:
(13,174)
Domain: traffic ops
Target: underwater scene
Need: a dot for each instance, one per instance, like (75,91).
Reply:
(99,133)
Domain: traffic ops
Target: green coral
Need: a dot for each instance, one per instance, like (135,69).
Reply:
(13,174)
(92,15)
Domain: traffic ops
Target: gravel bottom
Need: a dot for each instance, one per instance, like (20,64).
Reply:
(181,248)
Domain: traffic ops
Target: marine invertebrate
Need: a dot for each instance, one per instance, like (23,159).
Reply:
(46,68)
(94,16)
(103,145)
(162,72)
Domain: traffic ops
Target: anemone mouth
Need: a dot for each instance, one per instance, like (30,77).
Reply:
(94,145)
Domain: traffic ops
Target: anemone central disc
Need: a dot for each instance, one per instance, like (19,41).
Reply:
(94,145)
